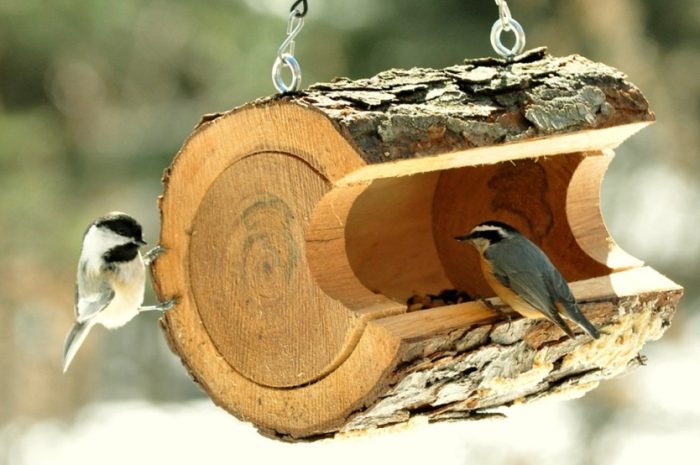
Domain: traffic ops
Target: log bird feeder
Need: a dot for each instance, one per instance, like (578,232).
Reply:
(297,227)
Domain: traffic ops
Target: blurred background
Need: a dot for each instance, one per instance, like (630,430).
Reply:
(96,97)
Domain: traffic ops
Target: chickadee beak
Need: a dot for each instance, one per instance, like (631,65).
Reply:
(462,238)
(142,242)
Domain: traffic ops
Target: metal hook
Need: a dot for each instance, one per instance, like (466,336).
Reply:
(504,14)
(285,54)
(294,25)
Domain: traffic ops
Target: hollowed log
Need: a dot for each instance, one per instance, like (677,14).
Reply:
(297,227)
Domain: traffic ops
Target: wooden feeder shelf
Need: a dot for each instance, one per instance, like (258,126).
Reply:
(297,227)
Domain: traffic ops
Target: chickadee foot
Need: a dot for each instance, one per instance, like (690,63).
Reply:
(641,359)
(170,303)
(161,307)
(153,254)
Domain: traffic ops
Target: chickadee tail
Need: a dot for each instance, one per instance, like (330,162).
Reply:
(74,340)
(574,313)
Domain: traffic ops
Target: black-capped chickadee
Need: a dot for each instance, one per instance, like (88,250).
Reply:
(524,277)
(111,279)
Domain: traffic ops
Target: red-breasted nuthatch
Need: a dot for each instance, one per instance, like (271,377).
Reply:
(111,279)
(524,277)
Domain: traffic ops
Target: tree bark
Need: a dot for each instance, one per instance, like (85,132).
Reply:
(400,114)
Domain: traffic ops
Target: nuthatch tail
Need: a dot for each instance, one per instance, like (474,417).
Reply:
(524,278)
(111,279)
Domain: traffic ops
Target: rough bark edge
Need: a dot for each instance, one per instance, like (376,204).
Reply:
(469,373)
(411,113)
(401,114)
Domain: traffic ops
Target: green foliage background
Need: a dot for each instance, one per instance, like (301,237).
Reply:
(96,97)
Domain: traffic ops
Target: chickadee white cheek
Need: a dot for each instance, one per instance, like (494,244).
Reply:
(96,243)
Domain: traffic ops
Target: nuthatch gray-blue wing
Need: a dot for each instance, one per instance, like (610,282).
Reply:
(523,277)
(111,279)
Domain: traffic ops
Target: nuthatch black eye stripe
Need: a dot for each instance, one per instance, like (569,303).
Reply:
(491,235)
(498,224)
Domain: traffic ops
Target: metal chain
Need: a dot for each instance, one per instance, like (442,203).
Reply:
(285,54)
(504,13)
(508,24)
(304,8)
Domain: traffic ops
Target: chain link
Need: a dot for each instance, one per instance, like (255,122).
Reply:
(304,8)
(506,23)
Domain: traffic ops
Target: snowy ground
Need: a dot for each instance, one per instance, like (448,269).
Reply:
(662,425)
(201,433)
